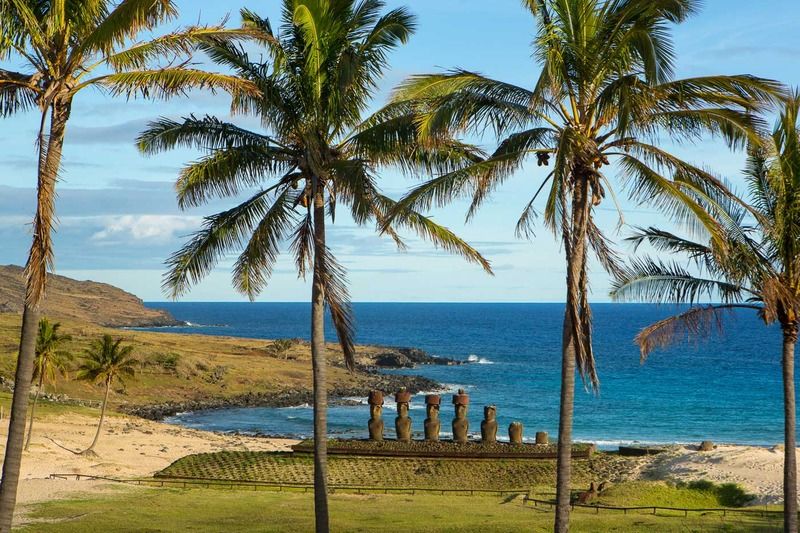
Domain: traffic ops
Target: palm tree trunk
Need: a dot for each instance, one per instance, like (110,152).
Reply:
(33,411)
(16,427)
(39,260)
(318,362)
(575,249)
(90,449)
(564,461)
(790,435)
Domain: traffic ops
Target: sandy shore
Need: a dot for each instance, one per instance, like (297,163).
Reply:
(134,447)
(759,470)
(129,447)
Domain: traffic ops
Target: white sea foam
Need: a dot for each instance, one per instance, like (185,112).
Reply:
(605,444)
(479,360)
(388,402)
(301,406)
(454,387)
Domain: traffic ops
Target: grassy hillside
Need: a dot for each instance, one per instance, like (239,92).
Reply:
(180,368)
(87,301)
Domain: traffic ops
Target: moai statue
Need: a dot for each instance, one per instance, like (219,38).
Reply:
(402,424)
(432,423)
(542,438)
(375,421)
(460,422)
(515,432)
(489,424)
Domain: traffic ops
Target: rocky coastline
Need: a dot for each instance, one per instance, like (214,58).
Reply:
(403,357)
(285,398)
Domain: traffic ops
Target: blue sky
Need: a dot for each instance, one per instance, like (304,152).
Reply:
(118,220)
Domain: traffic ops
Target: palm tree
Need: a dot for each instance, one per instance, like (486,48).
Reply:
(51,360)
(314,153)
(106,361)
(604,97)
(67,47)
(754,267)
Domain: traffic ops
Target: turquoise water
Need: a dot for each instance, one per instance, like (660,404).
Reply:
(727,389)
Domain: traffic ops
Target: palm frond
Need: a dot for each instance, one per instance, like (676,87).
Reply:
(254,266)
(302,245)
(206,133)
(220,234)
(174,45)
(228,171)
(653,280)
(172,81)
(337,299)
(125,21)
(405,217)
(695,323)
(17,92)
(461,100)
(609,258)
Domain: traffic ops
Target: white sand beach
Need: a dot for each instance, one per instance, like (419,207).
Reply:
(758,469)
(129,447)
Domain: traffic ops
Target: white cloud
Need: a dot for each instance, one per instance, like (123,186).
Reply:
(150,228)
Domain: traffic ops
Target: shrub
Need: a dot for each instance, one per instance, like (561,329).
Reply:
(279,347)
(167,361)
(701,484)
(728,494)
(733,495)
(217,374)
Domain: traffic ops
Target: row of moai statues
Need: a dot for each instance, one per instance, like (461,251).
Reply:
(402,422)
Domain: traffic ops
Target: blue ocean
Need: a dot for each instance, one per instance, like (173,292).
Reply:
(726,388)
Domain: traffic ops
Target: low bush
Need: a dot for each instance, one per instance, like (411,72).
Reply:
(728,494)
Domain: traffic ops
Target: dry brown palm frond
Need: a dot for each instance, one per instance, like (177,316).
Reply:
(781,302)
(605,253)
(587,366)
(697,322)
(337,298)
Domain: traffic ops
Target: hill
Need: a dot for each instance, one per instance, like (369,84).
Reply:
(182,372)
(84,301)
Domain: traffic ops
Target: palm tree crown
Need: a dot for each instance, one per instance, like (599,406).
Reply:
(317,81)
(756,265)
(603,97)
(107,360)
(51,357)
(313,153)
(67,47)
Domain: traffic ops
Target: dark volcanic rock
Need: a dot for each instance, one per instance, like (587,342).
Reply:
(286,398)
(406,358)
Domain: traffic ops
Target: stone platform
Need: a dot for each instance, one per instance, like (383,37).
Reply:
(443,449)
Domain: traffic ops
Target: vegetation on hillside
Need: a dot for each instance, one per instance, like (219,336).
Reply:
(177,368)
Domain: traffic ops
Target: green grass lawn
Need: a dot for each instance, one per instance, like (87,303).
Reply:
(151,510)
